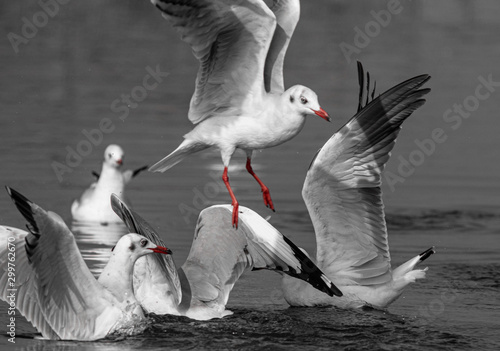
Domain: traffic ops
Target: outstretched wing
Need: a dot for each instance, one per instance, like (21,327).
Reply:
(18,280)
(287,14)
(220,254)
(342,187)
(231,39)
(61,287)
(156,282)
(129,174)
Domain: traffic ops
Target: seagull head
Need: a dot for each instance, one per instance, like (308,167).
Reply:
(306,102)
(113,155)
(137,246)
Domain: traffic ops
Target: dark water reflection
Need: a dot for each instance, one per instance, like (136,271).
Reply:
(65,79)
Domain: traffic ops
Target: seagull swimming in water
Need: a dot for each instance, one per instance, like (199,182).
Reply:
(93,205)
(239,100)
(344,199)
(219,255)
(55,290)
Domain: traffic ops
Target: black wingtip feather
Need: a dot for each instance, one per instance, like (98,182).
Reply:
(310,272)
(361,77)
(361,81)
(425,255)
(96,175)
(24,206)
(139,170)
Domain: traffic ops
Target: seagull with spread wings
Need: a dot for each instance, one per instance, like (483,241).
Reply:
(344,199)
(53,287)
(239,100)
(219,255)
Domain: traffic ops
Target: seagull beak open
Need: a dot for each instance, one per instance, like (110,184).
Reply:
(162,250)
(322,113)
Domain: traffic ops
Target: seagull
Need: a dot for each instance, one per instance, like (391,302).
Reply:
(239,100)
(343,196)
(219,255)
(93,205)
(54,289)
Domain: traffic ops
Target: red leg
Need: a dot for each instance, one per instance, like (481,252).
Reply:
(235,204)
(265,191)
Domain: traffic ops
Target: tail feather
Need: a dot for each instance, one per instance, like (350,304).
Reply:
(409,265)
(187,148)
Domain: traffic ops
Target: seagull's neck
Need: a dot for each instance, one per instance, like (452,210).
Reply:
(109,170)
(111,178)
(117,276)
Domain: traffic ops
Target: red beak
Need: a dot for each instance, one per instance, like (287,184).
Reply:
(162,250)
(120,161)
(322,113)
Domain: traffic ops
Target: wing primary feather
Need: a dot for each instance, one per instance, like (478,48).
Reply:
(367,88)
(96,175)
(136,224)
(24,206)
(361,81)
(425,255)
(311,273)
(361,77)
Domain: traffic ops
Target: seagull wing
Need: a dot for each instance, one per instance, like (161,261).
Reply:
(342,187)
(129,173)
(287,14)
(155,276)
(231,39)
(62,288)
(18,287)
(220,254)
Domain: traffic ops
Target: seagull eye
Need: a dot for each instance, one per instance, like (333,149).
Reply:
(144,242)
(303,100)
